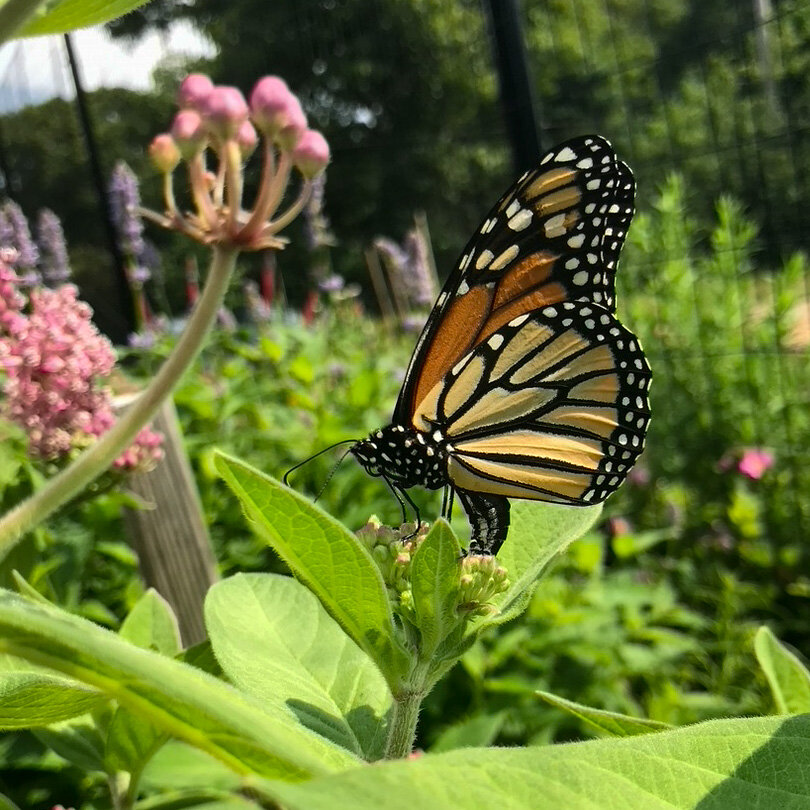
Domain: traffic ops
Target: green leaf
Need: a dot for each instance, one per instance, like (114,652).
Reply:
(787,676)
(325,556)
(275,641)
(179,699)
(78,741)
(151,624)
(7,804)
(538,532)
(476,732)
(610,723)
(33,699)
(62,16)
(131,741)
(722,764)
(178,766)
(434,585)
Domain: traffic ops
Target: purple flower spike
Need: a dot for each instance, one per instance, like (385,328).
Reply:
(17,234)
(125,199)
(52,249)
(193,91)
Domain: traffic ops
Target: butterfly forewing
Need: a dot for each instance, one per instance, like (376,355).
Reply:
(553,406)
(555,236)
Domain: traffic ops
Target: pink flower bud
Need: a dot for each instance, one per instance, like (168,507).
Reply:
(311,156)
(247,139)
(224,111)
(277,112)
(193,91)
(188,133)
(164,153)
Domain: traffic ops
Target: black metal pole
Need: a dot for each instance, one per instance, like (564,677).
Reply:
(509,53)
(125,323)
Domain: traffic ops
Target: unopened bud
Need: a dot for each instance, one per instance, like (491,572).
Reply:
(247,139)
(193,91)
(276,112)
(164,153)
(311,156)
(188,133)
(224,111)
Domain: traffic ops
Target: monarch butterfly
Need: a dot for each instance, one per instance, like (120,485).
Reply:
(523,383)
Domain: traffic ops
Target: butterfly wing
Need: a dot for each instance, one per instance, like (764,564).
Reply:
(553,407)
(554,236)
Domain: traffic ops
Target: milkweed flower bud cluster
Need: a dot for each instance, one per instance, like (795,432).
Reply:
(54,361)
(214,134)
(481,578)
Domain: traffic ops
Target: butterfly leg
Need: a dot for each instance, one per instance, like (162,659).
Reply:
(402,496)
(489,520)
(447,502)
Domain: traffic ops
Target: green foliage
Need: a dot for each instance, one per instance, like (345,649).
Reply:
(788,678)
(722,764)
(62,16)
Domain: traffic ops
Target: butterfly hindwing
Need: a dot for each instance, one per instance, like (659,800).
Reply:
(553,406)
(554,236)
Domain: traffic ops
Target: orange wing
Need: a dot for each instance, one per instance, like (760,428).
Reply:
(554,236)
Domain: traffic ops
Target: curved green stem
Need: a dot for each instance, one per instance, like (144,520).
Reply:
(97,458)
(14,14)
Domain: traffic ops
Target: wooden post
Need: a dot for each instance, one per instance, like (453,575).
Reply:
(378,282)
(170,538)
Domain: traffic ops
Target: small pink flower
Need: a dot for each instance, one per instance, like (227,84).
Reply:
(193,91)
(754,463)
(311,156)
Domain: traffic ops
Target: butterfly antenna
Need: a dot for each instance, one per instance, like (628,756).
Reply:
(319,453)
(331,473)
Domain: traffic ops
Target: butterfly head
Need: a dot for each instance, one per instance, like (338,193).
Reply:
(402,456)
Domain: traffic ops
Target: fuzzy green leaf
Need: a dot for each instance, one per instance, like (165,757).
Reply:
(62,16)
(609,723)
(538,532)
(434,585)
(325,556)
(177,698)
(788,678)
(151,624)
(34,699)
(275,641)
(722,764)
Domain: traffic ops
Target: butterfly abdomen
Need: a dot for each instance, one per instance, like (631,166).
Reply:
(405,457)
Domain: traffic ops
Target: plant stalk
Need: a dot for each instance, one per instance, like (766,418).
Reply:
(14,14)
(402,732)
(99,456)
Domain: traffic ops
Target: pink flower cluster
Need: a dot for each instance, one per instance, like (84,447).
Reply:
(216,123)
(54,359)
